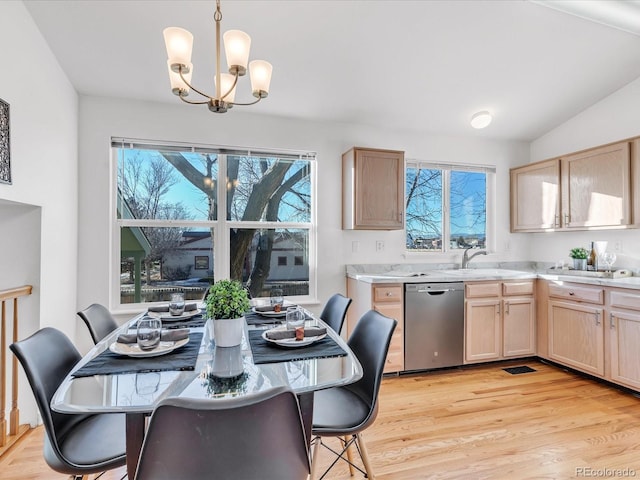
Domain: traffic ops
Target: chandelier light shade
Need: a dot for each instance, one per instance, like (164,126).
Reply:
(237,44)
(481,119)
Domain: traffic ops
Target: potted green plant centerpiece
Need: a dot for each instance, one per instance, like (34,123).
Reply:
(579,256)
(227,303)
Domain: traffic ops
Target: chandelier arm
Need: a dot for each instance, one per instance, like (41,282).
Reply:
(247,104)
(192,87)
(204,102)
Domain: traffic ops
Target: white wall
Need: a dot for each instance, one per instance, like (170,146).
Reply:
(101,118)
(614,118)
(39,210)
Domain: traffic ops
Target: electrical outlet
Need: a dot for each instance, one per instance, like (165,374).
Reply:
(379,245)
(617,246)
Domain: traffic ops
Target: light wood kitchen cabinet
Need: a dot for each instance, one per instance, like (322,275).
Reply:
(624,338)
(499,320)
(575,330)
(596,187)
(372,189)
(388,299)
(535,196)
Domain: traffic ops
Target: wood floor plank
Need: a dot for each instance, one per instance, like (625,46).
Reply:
(471,423)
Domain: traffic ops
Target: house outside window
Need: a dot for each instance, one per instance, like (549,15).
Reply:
(448,207)
(187,215)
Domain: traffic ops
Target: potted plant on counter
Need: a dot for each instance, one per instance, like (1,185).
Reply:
(227,303)
(579,256)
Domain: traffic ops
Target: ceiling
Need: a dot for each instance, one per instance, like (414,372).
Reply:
(423,66)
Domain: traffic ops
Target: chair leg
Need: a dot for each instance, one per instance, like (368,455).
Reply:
(315,458)
(364,454)
(349,455)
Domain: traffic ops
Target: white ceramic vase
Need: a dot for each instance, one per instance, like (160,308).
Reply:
(227,332)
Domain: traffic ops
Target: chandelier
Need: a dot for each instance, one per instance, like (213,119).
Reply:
(179,43)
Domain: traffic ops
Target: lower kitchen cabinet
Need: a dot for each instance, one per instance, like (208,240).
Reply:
(624,338)
(388,299)
(575,326)
(499,320)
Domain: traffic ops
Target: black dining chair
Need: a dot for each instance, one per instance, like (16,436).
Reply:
(345,411)
(98,320)
(335,311)
(258,436)
(77,444)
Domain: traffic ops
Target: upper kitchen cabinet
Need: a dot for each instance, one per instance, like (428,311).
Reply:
(535,197)
(372,189)
(593,188)
(596,187)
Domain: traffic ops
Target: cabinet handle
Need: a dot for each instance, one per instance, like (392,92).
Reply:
(506,308)
(597,318)
(389,294)
(612,324)
(566,219)
(571,294)
(498,309)
(557,222)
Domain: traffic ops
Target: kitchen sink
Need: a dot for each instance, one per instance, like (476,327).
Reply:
(480,272)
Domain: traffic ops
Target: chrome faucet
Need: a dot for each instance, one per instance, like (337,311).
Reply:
(466,258)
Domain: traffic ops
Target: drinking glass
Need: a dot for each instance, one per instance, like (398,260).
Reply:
(609,258)
(148,334)
(176,305)
(276,299)
(295,317)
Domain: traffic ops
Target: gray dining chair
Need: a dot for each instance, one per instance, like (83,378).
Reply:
(335,311)
(344,412)
(98,320)
(258,436)
(77,444)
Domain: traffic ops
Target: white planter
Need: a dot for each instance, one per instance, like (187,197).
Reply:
(580,263)
(227,332)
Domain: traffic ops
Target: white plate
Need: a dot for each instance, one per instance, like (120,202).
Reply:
(271,313)
(132,349)
(292,342)
(167,317)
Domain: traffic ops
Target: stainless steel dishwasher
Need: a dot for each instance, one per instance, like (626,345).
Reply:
(434,325)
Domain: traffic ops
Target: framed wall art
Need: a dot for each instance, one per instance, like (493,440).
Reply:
(5,152)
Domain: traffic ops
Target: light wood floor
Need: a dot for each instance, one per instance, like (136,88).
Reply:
(472,423)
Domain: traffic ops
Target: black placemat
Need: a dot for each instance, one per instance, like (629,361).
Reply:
(193,322)
(109,363)
(265,352)
(254,318)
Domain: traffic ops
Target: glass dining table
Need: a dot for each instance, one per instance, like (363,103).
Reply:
(217,373)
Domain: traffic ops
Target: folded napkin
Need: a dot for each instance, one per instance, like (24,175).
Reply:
(282,334)
(165,336)
(188,307)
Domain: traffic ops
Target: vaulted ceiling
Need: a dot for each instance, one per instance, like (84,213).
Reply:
(424,66)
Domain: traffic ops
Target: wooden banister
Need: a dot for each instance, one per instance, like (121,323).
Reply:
(15,430)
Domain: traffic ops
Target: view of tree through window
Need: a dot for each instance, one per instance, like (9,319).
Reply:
(446,209)
(173,236)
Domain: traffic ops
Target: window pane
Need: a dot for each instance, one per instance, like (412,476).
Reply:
(424,209)
(154,184)
(155,262)
(264,258)
(268,189)
(468,217)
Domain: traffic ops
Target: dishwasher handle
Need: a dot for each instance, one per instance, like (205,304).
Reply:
(437,292)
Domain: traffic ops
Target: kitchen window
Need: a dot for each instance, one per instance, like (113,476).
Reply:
(234,210)
(448,207)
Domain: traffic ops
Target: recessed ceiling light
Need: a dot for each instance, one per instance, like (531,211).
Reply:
(481,119)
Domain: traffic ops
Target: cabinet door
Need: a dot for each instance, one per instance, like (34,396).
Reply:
(395,356)
(518,327)
(576,336)
(535,197)
(373,189)
(624,329)
(596,187)
(482,330)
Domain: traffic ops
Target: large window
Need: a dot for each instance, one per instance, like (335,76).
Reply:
(448,207)
(188,215)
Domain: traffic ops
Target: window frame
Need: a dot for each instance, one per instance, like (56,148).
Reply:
(221,226)
(490,203)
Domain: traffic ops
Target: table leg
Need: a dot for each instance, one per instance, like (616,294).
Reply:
(135,436)
(306,410)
